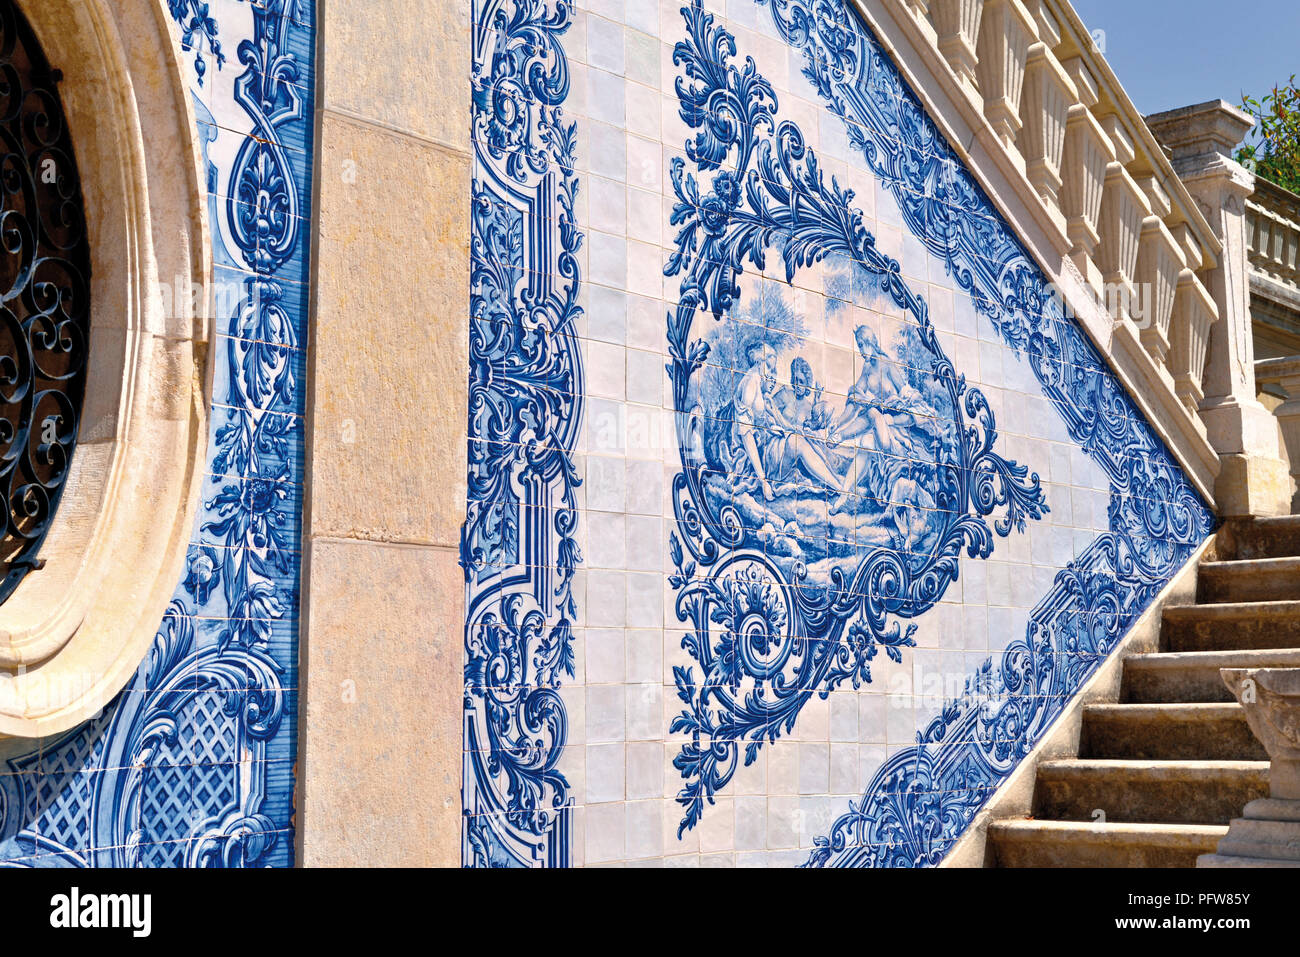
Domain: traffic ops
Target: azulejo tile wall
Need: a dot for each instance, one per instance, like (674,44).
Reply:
(798,508)
(192,765)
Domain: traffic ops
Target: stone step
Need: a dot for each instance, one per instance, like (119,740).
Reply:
(1034,843)
(1149,792)
(1262,579)
(1169,732)
(1193,675)
(1237,626)
(1261,538)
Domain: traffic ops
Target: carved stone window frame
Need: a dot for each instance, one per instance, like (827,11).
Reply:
(75,631)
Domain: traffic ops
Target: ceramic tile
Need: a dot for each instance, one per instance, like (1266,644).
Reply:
(789,497)
(204,736)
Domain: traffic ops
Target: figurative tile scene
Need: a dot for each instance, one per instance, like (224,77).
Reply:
(193,763)
(798,509)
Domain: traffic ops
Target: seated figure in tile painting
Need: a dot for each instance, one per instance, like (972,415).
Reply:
(801,401)
(884,413)
(768,447)
(881,402)
(817,484)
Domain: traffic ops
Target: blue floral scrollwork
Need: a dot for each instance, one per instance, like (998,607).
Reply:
(923,797)
(198,29)
(254,517)
(767,633)
(519,541)
(190,766)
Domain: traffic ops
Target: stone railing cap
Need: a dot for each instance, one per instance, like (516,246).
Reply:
(1215,126)
(1268,193)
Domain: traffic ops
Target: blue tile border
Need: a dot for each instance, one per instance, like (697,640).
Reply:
(518,544)
(193,762)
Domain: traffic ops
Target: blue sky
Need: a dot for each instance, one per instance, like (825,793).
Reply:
(1171,53)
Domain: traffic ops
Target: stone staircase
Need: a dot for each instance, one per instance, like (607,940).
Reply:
(1173,761)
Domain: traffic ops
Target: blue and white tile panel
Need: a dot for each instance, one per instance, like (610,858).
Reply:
(798,510)
(193,764)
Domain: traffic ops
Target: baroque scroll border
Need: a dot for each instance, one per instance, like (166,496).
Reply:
(779,639)
(519,541)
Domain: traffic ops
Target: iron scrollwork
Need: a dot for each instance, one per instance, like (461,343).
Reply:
(44,297)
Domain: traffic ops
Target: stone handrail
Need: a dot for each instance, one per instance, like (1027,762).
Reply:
(1124,203)
(1284,376)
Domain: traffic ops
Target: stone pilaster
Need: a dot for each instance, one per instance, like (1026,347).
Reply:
(383,601)
(1253,479)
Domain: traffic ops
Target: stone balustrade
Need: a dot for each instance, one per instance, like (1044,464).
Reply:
(1273,230)
(1273,243)
(1283,376)
(1273,240)
(1133,233)
(1147,213)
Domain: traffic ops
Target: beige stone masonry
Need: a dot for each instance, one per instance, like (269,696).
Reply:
(379,778)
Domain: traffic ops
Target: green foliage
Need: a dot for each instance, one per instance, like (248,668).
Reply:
(1276,155)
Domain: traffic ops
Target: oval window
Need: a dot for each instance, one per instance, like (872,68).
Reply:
(95,543)
(44,297)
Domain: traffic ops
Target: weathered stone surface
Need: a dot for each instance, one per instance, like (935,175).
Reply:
(1169,732)
(379,769)
(1237,626)
(1260,579)
(391,339)
(1254,485)
(1162,792)
(1271,699)
(1269,829)
(396,65)
(1088,844)
(387,414)
(1263,538)
(1194,675)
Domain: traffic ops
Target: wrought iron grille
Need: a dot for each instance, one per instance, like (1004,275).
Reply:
(44,297)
